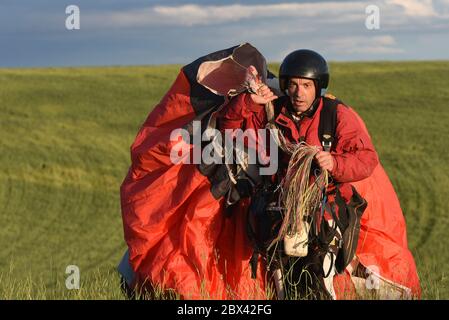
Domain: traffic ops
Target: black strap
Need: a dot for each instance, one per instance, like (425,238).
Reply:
(331,265)
(278,104)
(328,122)
(253,263)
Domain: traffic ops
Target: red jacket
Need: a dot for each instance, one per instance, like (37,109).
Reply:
(354,155)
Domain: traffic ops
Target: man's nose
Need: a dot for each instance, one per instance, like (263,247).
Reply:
(298,92)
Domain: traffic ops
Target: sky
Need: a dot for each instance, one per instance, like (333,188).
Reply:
(33,33)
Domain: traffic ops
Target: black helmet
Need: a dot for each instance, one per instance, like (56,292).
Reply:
(305,64)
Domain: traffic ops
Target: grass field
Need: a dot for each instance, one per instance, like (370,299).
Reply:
(65,135)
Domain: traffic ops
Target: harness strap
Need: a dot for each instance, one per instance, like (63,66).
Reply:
(328,123)
(253,263)
(331,265)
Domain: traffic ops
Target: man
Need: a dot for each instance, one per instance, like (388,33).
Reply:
(304,78)
(349,156)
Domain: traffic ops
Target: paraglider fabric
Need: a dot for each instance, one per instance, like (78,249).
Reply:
(175,225)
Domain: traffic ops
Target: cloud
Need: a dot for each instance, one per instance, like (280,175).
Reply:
(334,28)
(393,14)
(366,45)
(193,14)
(415,8)
(143,31)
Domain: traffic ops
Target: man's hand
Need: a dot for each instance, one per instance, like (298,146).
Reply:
(264,95)
(325,160)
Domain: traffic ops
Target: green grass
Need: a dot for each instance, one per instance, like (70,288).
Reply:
(65,135)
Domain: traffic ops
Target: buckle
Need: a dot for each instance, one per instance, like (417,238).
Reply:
(340,243)
(326,145)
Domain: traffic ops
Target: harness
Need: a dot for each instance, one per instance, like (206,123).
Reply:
(266,213)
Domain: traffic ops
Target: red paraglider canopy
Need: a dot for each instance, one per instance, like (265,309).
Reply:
(177,233)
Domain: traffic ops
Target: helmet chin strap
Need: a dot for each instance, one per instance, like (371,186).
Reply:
(313,106)
(315,102)
(310,111)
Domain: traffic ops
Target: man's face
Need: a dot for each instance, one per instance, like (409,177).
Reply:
(301,92)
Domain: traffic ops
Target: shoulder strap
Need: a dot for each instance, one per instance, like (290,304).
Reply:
(328,121)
